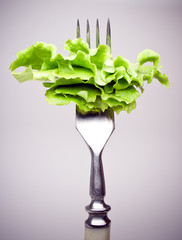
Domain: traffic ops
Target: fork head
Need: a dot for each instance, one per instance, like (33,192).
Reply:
(95,127)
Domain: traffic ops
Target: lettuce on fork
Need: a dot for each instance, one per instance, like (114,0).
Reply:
(89,77)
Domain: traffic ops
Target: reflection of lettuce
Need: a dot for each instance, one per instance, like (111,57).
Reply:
(88,77)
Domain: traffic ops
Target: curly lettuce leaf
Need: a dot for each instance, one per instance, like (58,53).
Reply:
(91,78)
(34,56)
(148,56)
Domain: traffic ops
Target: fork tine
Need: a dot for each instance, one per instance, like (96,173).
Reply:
(88,33)
(97,34)
(108,33)
(78,29)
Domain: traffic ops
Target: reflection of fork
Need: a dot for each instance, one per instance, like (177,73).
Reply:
(96,128)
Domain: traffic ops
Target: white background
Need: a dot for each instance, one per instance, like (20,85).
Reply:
(45,164)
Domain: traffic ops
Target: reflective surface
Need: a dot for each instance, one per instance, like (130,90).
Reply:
(96,128)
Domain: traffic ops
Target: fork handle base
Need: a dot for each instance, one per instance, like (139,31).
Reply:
(97,233)
(97,211)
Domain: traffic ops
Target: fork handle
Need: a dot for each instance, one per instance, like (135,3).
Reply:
(97,208)
(97,234)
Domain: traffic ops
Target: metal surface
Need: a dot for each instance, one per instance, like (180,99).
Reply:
(97,34)
(88,33)
(78,29)
(96,128)
(108,34)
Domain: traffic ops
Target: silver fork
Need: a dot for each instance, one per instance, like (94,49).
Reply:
(96,128)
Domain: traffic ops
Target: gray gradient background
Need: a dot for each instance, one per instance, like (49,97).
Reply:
(44,163)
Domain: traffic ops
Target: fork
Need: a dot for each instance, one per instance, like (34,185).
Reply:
(96,128)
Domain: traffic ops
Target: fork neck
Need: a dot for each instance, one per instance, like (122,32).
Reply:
(97,181)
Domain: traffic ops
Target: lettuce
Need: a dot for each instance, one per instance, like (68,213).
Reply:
(89,77)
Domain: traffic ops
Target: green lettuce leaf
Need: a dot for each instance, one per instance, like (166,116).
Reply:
(148,56)
(34,56)
(90,78)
